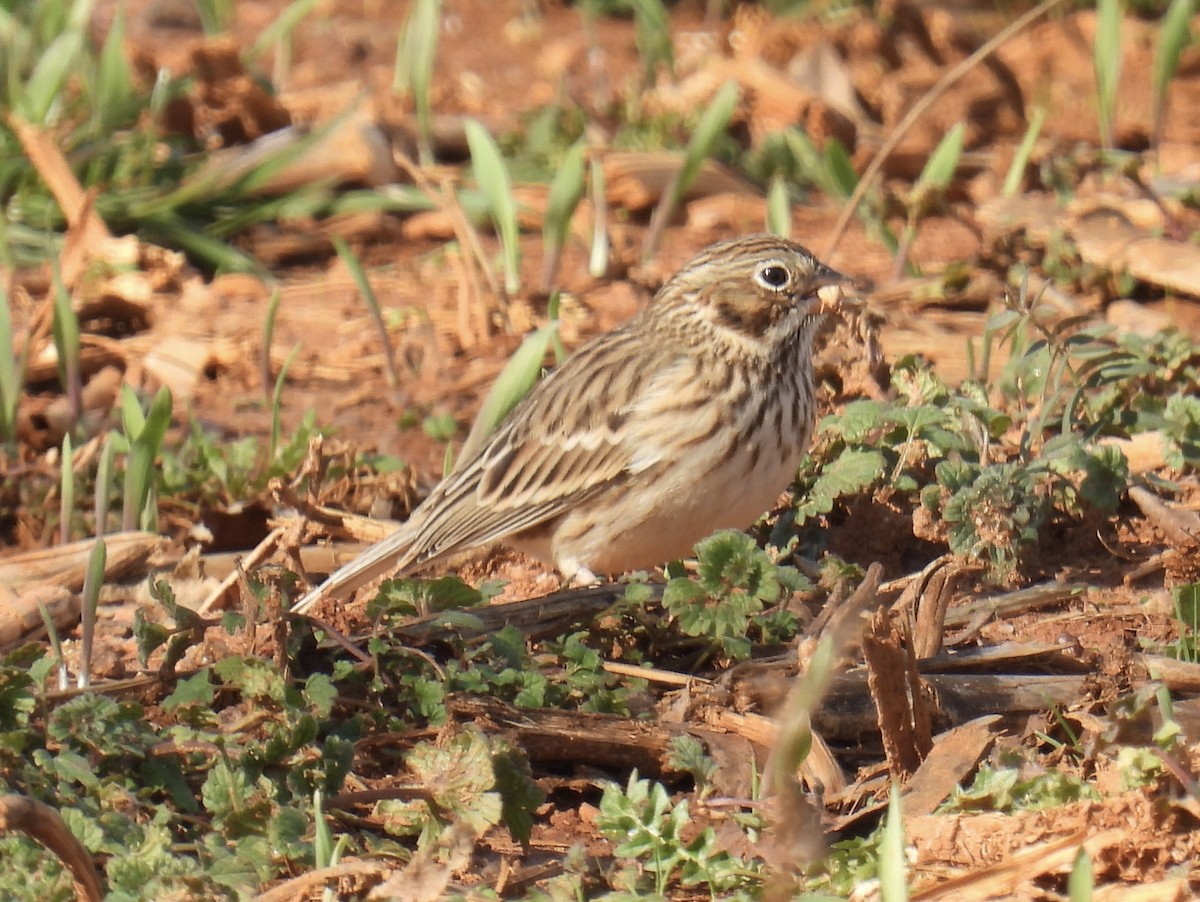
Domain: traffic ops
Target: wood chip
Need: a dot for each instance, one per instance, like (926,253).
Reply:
(951,761)
(65,565)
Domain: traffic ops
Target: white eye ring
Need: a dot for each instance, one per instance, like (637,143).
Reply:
(772,275)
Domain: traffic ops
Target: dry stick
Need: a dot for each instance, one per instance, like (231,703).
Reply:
(918,110)
(302,885)
(264,548)
(41,822)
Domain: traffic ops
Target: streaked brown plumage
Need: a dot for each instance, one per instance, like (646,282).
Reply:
(691,417)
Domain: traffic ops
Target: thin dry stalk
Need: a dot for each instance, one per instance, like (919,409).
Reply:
(918,110)
(473,254)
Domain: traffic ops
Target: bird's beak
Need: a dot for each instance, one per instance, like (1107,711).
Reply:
(823,276)
(827,285)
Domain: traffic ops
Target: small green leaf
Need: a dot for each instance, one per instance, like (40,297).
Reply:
(520,796)
(853,471)
(194,690)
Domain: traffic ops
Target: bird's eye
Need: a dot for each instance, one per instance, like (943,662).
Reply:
(772,276)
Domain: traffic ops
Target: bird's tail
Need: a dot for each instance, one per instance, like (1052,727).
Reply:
(389,556)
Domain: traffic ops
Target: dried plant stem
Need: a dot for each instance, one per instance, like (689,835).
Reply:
(918,110)
(474,258)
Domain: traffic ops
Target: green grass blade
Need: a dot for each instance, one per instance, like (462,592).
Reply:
(55,645)
(104,485)
(114,86)
(10,374)
(66,499)
(893,870)
(268,339)
(779,208)
(565,193)
(519,375)
(45,84)
(281,28)
(372,300)
(65,329)
(1081,881)
(840,172)
(277,405)
(133,419)
(942,163)
(215,15)
(711,126)
(322,835)
(139,467)
(491,174)
(93,580)
(652,33)
(172,231)
(415,57)
(1106,59)
(1016,170)
(598,258)
(1174,34)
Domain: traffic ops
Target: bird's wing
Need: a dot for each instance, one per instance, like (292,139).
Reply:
(567,441)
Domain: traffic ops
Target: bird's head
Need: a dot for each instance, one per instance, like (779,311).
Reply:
(761,288)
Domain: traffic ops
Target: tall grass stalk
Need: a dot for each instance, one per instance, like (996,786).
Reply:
(893,869)
(268,338)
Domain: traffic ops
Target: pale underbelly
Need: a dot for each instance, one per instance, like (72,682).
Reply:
(635,528)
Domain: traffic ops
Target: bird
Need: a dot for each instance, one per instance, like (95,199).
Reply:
(691,417)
